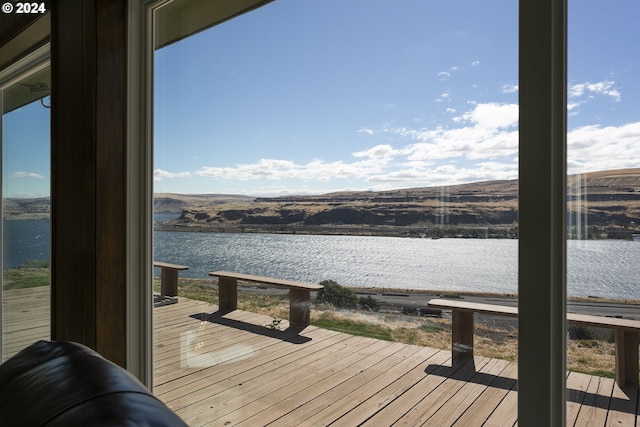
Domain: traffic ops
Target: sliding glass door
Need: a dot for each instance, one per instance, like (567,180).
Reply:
(25,209)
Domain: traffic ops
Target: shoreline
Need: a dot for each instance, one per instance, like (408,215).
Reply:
(402,300)
(395,300)
(479,294)
(424,231)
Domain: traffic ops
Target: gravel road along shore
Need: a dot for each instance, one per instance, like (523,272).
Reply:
(392,300)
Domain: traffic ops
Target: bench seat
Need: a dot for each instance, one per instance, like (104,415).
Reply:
(299,293)
(462,324)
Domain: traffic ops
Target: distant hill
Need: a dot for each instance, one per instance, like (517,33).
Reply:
(174,203)
(600,202)
(605,203)
(38,208)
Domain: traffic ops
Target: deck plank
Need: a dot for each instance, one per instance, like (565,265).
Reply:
(459,403)
(577,386)
(482,408)
(272,401)
(419,414)
(412,395)
(185,386)
(250,381)
(623,407)
(230,369)
(360,403)
(591,412)
(338,400)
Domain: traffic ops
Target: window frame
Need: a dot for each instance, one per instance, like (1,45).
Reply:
(542,243)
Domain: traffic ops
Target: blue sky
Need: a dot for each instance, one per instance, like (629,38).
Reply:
(314,96)
(26,152)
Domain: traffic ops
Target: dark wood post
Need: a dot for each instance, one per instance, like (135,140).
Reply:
(461,337)
(227,293)
(88,174)
(299,307)
(626,358)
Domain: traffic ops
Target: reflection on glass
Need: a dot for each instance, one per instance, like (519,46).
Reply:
(25,212)
(603,182)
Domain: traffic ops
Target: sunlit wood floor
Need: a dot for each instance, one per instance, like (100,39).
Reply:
(231,370)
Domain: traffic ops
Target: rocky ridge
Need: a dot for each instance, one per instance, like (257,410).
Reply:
(603,204)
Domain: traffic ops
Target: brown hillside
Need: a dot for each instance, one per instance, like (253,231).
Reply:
(610,200)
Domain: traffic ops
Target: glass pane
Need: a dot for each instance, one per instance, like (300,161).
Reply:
(25,212)
(603,178)
(373,144)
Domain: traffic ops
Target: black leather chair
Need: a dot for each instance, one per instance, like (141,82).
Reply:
(67,384)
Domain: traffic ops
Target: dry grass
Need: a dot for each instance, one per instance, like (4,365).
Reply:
(493,338)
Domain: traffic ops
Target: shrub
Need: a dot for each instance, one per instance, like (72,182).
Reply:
(369,303)
(580,332)
(336,295)
(588,343)
(34,263)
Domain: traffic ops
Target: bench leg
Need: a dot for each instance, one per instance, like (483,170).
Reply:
(168,282)
(626,358)
(227,294)
(299,307)
(461,337)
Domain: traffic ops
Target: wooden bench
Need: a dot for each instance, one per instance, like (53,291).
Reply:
(299,294)
(169,278)
(462,313)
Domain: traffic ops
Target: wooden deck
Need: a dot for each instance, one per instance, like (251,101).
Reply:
(230,370)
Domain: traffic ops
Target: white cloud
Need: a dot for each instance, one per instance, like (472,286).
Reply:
(477,145)
(594,147)
(444,75)
(451,110)
(21,174)
(510,88)
(367,131)
(445,96)
(491,132)
(377,152)
(316,170)
(600,88)
(573,105)
(493,115)
(159,174)
(475,63)
(450,174)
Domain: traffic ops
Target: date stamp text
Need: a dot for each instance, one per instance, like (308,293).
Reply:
(23,8)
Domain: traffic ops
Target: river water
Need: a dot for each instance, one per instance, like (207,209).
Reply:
(606,268)
(595,268)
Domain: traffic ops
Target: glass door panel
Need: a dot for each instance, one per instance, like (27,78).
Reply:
(603,182)
(25,211)
(373,145)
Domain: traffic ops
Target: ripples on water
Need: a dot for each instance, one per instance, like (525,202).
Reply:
(595,268)
(606,268)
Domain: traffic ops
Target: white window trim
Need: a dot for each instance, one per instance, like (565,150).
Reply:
(139,168)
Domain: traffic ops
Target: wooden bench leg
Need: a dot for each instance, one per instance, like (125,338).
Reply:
(461,337)
(168,282)
(299,307)
(227,294)
(626,358)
